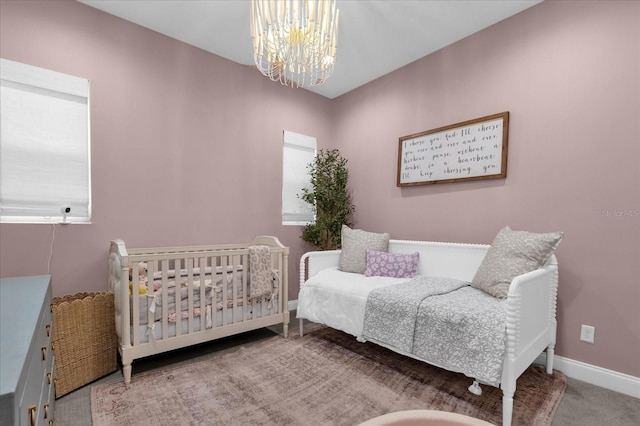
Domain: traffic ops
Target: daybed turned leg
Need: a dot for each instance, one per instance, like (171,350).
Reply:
(508,387)
(301,322)
(285,330)
(507,408)
(550,355)
(126,372)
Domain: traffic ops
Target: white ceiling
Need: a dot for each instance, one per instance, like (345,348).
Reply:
(375,37)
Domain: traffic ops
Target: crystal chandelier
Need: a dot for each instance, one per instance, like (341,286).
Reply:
(294,41)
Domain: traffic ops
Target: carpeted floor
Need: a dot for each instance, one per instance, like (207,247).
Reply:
(583,404)
(326,376)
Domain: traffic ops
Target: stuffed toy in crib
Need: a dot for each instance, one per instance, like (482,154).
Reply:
(142,278)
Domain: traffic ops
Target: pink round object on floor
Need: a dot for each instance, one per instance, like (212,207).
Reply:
(424,417)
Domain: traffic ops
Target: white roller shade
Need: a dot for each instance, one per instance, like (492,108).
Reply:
(44,145)
(298,151)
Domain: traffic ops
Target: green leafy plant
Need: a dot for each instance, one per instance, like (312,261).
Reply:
(329,193)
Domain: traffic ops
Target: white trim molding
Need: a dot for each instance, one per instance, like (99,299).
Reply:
(608,379)
(292,305)
(605,378)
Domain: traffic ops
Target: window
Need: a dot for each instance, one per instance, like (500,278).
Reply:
(45,170)
(298,152)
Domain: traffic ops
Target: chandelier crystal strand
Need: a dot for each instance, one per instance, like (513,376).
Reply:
(294,41)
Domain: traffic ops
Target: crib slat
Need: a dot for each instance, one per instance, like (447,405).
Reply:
(234,287)
(164,267)
(225,295)
(203,295)
(202,264)
(245,287)
(176,267)
(151,269)
(135,294)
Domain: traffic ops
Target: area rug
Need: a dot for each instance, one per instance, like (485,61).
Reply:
(323,378)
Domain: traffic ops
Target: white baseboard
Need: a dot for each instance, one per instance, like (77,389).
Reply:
(292,305)
(608,379)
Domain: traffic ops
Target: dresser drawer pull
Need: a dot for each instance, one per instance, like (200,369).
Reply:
(50,422)
(44,353)
(48,328)
(46,411)
(32,415)
(48,378)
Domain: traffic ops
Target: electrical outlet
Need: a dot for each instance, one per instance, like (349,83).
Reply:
(587,333)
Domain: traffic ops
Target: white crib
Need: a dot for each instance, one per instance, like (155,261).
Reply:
(168,298)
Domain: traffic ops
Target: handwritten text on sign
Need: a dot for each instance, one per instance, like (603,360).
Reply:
(471,150)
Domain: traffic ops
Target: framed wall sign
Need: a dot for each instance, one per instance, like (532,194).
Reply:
(471,150)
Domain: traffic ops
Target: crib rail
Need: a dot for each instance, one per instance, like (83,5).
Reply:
(170,297)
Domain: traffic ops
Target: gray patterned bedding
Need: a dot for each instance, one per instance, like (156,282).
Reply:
(443,321)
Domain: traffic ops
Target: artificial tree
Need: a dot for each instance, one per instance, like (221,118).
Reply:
(329,193)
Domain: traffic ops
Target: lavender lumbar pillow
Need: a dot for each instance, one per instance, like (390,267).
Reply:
(383,264)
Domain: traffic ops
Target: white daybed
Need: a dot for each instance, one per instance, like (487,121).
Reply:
(452,327)
(244,287)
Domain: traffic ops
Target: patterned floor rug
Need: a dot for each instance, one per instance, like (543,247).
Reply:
(323,378)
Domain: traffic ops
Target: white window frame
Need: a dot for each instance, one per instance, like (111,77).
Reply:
(45,147)
(298,151)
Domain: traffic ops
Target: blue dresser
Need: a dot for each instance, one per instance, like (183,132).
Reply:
(27,392)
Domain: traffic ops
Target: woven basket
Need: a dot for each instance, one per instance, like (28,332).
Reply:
(84,339)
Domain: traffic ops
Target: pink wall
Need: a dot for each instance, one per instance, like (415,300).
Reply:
(569,74)
(186,146)
(166,116)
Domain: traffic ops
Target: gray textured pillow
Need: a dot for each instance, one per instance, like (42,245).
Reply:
(513,253)
(355,243)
